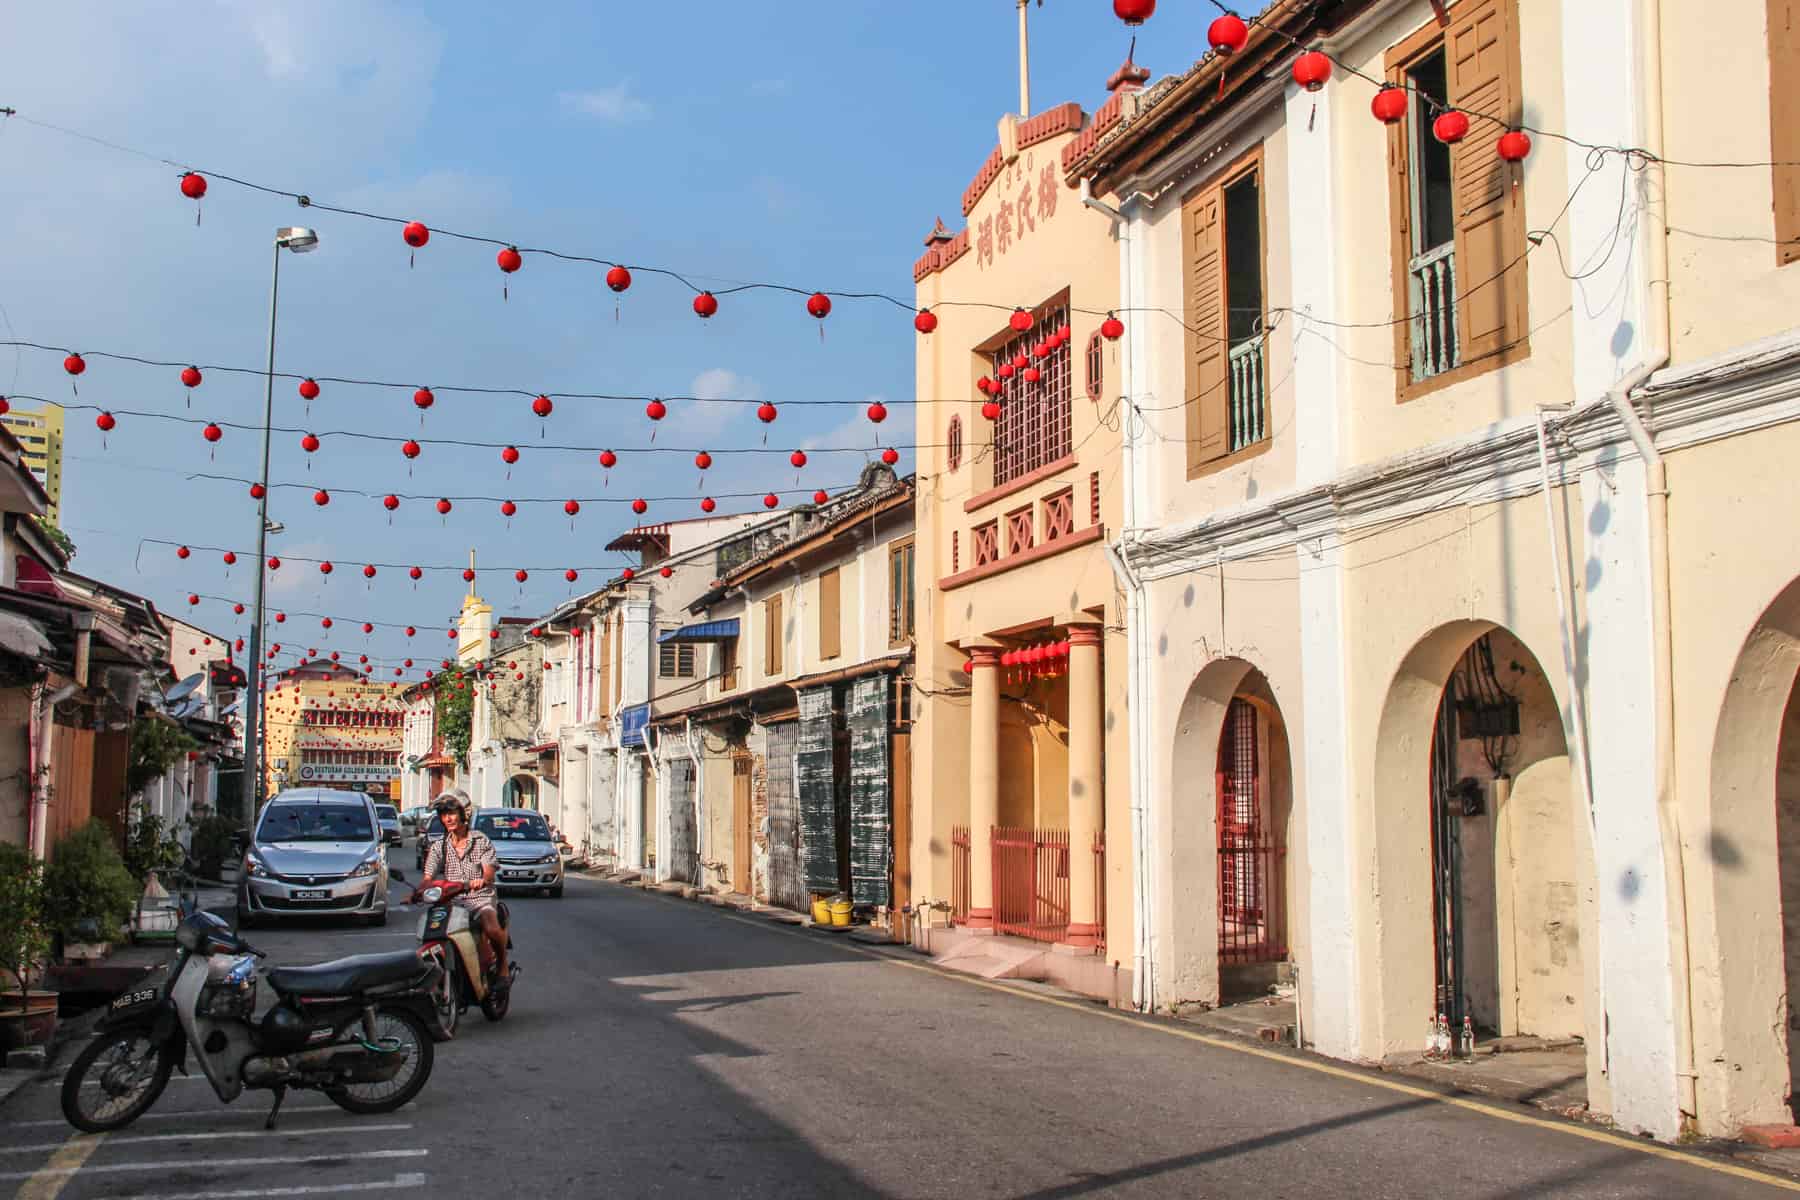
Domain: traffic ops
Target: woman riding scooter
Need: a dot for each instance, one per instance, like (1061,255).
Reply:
(464,855)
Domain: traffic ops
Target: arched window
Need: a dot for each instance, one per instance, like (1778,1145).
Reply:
(953,443)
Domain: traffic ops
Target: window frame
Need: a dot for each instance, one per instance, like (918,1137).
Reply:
(831,614)
(674,652)
(1006,462)
(902,620)
(774,635)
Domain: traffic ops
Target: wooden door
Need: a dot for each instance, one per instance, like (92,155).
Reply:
(740,824)
(900,772)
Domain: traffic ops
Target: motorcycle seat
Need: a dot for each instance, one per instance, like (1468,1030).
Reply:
(346,976)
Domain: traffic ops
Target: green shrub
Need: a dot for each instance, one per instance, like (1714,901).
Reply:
(150,845)
(88,893)
(212,844)
(24,938)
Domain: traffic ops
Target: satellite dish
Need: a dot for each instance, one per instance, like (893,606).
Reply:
(188,707)
(185,688)
(231,708)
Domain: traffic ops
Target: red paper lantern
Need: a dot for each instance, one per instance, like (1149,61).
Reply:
(238,609)
(1112,329)
(1228,34)
(309,443)
(1451,126)
(450,633)
(706,304)
(509,260)
(106,422)
(423,398)
(1389,104)
(542,406)
(275,565)
(890,456)
(321,497)
(193,599)
(571,507)
(193,185)
(798,458)
(468,575)
(509,455)
(1311,70)
(656,410)
(368,626)
(309,390)
(258,491)
(415,234)
(820,496)
(640,507)
(325,568)
(410,631)
(666,572)
(212,433)
(819,305)
(74,364)
(571,574)
(368,573)
(968,666)
(991,410)
(925,321)
(618,279)
(417,574)
(390,502)
(627,575)
(1514,145)
(1032,374)
(444,507)
(703,460)
(508,508)
(608,459)
(182,552)
(190,376)
(4,406)
(1020,319)
(771,500)
(1133,12)
(521,577)
(984,385)
(707,504)
(230,558)
(878,412)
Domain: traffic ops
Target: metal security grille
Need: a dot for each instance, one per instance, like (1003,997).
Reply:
(684,851)
(1252,858)
(1033,428)
(787,887)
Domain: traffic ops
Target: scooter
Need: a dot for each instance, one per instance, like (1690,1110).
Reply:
(357,1029)
(468,972)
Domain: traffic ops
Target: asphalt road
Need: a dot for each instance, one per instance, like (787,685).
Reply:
(658,1047)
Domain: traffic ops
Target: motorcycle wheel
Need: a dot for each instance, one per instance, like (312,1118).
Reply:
(114,1081)
(496,1002)
(445,1000)
(415,1042)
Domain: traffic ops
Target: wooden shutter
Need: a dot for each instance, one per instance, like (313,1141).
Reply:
(1400,210)
(1203,237)
(772,651)
(1784,124)
(831,617)
(1481,62)
(605,682)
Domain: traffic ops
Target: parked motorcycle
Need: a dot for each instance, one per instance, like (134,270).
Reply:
(468,972)
(357,1029)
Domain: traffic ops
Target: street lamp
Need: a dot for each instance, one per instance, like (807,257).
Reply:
(299,240)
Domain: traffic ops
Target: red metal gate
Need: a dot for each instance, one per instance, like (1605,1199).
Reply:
(959,874)
(1252,858)
(1031,883)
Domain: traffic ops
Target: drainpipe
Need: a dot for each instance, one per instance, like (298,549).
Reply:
(36,752)
(700,838)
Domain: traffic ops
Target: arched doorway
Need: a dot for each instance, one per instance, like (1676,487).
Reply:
(1750,853)
(1233,882)
(1484,854)
(520,791)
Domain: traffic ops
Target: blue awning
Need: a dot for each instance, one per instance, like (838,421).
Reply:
(705,631)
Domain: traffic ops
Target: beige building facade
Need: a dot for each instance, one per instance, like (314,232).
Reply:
(1464,682)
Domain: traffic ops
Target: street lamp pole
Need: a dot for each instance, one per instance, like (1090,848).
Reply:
(299,241)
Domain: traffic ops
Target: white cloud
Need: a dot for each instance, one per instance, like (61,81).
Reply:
(717,385)
(613,104)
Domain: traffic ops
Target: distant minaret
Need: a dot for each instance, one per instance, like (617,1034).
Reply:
(1024,63)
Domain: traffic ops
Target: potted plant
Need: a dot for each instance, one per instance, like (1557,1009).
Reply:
(27,1016)
(88,893)
(212,844)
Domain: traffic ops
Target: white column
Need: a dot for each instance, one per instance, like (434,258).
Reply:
(1330,981)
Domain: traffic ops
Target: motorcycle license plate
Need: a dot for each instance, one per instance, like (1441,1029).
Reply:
(312,894)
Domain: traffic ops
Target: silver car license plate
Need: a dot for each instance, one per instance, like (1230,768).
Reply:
(515,874)
(311,894)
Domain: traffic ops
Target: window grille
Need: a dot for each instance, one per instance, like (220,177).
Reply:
(953,443)
(675,660)
(1018,531)
(1059,515)
(1096,365)
(987,543)
(1033,428)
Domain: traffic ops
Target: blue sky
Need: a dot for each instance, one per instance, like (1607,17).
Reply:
(805,143)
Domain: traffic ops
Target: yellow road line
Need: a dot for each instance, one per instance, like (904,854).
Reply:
(68,1159)
(1568,1128)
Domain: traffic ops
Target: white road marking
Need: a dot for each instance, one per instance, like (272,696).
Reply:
(180,1114)
(216,1136)
(407,1179)
(218,1164)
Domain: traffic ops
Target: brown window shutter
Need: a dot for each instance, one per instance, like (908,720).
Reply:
(1400,209)
(830,615)
(1481,61)
(605,684)
(1203,235)
(772,649)
(1784,124)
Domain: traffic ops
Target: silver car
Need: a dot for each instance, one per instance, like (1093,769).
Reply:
(388,817)
(316,852)
(529,859)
